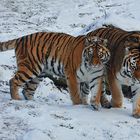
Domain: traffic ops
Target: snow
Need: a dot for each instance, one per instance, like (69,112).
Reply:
(51,115)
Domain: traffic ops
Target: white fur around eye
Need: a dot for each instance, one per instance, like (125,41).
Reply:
(132,60)
(90,51)
(101,50)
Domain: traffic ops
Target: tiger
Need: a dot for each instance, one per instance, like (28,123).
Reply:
(78,59)
(124,63)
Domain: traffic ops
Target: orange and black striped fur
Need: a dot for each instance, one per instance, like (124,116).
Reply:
(78,59)
(124,63)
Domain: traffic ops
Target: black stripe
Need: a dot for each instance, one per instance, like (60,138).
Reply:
(42,34)
(50,47)
(26,41)
(57,45)
(78,76)
(96,78)
(134,92)
(93,86)
(23,40)
(31,88)
(35,61)
(35,39)
(17,44)
(122,75)
(44,45)
(107,34)
(32,65)
(35,82)
(18,77)
(100,32)
(65,48)
(31,69)
(96,71)
(52,65)
(81,71)
(38,45)
(59,67)
(59,39)
(18,48)
(25,74)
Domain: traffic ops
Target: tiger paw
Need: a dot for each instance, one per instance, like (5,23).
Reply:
(15,97)
(106,105)
(77,101)
(117,104)
(84,101)
(27,95)
(96,106)
(136,114)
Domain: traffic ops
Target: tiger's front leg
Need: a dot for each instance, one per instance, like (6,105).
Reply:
(74,88)
(84,92)
(136,100)
(116,91)
(96,91)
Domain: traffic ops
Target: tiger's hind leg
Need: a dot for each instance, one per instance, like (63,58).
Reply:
(22,76)
(14,86)
(16,82)
(84,92)
(30,87)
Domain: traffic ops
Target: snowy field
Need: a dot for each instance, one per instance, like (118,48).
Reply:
(51,115)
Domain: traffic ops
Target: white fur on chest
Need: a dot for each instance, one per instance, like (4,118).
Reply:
(85,74)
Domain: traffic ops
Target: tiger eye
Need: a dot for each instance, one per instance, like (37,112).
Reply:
(135,39)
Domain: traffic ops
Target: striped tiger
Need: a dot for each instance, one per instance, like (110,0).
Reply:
(124,63)
(77,59)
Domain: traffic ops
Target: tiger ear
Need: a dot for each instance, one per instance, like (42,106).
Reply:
(87,41)
(127,50)
(91,40)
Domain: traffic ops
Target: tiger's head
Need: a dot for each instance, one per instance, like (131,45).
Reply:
(131,61)
(96,52)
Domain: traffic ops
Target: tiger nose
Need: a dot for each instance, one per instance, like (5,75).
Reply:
(96,61)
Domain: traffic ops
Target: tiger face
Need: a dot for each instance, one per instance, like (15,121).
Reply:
(131,65)
(96,51)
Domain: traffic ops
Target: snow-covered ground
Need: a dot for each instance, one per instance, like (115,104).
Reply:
(51,115)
